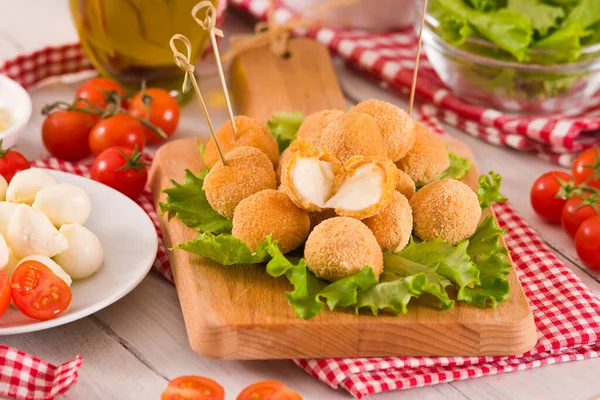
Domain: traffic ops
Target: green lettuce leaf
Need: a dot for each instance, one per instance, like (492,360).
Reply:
(489,189)
(487,5)
(455,29)
(226,249)
(459,167)
(486,239)
(284,127)
(585,14)
(306,297)
(564,45)
(543,16)
(392,295)
(188,202)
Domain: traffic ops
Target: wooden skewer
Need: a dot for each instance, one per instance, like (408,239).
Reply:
(185,64)
(208,24)
(413,87)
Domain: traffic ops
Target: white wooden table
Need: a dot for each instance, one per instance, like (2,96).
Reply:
(134,347)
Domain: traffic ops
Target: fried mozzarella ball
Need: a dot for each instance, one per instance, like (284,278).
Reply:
(270,212)
(27,183)
(406,186)
(353,134)
(84,256)
(52,266)
(285,157)
(397,127)
(393,226)
(30,232)
(247,171)
(363,187)
(340,247)
(316,217)
(313,125)
(249,133)
(3,187)
(427,159)
(64,204)
(447,209)
(308,175)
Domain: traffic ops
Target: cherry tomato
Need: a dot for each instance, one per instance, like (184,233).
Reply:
(164,112)
(95,91)
(38,292)
(587,243)
(11,162)
(268,390)
(587,166)
(4,292)
(65,134)
(193,388)
(543,196)
(574,214)
(121,169)
(119,130)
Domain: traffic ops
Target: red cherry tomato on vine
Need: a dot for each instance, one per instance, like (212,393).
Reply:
(164,112)
(121,169)
(95,91)
(574,214)
(11,162)
(120,130)
(65,134)
(587,243)
(587,166)
(543,196)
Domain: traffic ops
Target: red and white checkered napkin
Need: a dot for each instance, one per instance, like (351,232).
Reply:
(567,317)
(27,377)
(389,58)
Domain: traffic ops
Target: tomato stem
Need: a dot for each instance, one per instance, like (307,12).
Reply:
(134,162)
(3,151)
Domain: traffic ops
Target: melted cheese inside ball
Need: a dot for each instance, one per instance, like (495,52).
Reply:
(362,190)
(313,180)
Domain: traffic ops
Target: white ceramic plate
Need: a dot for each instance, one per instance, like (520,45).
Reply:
(16,101)
(129,242)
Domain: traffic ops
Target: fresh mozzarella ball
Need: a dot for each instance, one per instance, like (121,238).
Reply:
(30,232)
(25,184)
(4,252)
(84,256)
(53,266)
(3,186)
(11,264)
(7,210)
(64,204)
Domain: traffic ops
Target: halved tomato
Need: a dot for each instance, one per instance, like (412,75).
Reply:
(4,292)
(38,292)
(268,390)
(193,388)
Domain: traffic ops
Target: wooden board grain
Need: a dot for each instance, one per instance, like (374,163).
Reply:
(240,312)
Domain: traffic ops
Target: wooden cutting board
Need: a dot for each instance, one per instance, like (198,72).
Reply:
(240,312)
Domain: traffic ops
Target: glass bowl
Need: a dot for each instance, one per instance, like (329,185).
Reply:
(505,84)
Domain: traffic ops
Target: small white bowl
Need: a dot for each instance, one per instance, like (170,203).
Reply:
(16,102)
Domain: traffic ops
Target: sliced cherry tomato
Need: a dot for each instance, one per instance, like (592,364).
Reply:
(119,130)
(587,243)
(38,292)
(268,390)
(121,169)
(164,111)
(65,134)
(543,196)
(95,91)
(576,211)
(193,388)
(11,162)
(586,168)
(4,292)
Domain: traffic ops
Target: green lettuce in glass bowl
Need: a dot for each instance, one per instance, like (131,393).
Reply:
(523,56)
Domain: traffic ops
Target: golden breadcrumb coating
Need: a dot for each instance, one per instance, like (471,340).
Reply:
(283,159)
(397,127)
(340,247)
(389,178)
(247,171)
(303,149)
(270,212)
(427,159)
(405,185)
(392,227)
(249,133)
(353,134)
(448,209)
(316,217)
(313,125)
